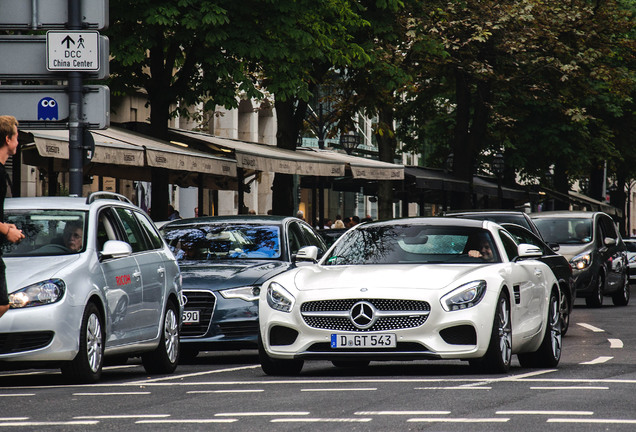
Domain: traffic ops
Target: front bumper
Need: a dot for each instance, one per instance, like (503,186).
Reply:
(47,333)
(223,323)
(461,334)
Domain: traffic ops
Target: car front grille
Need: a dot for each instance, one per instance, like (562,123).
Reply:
(24,341)
(204,302)
(239,329)
(392,314)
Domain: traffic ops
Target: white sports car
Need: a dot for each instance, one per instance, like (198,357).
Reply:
(406,289)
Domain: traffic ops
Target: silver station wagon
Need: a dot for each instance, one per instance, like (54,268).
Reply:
(92,279)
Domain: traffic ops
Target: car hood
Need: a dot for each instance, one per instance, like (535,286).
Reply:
(40,269)
(228,274)
(428,276)
(570,251)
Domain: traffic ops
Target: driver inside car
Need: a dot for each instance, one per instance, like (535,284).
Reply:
(73,236)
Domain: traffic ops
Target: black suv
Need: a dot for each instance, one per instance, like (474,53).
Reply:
(595,249)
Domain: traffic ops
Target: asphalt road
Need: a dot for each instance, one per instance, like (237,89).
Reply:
(594,388)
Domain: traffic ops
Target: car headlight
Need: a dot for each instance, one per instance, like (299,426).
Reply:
(464,297)
(279,298)
(581,261)
(38,294)
(244,293)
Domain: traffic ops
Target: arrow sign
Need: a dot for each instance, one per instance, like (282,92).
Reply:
(28,59)
(82,56)
(47,107)
(68,41)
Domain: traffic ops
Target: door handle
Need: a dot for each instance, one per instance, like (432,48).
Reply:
(137,274)
(161,271)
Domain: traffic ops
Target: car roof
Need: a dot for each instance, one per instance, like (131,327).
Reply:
(437,221)
(240,219)
(60,203)
(565,214)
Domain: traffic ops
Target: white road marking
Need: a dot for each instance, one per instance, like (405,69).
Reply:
(538,412)
(112,394)
(321,420)
(109,368)
(61,423)
(598,360)
(224,391)
(17,395)
(121,416)
(186,421)
(401,412)
(454,388)
(338,389)
(13,418)
(591,327)
(570,388)
(601,421)
(458,420)
(262,413)
(615,343)
(175,377)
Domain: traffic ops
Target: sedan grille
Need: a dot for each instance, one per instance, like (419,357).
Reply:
(202,301)
(388,314)
(24,341)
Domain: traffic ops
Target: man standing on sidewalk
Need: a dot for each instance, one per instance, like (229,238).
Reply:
(8,147)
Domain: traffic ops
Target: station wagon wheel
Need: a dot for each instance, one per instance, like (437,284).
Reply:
(621,298)
(596,298)
(277,367)
(86,367)
(499,355)
(164,358)
(549,352)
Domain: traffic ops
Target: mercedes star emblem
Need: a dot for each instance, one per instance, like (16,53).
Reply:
(363,315)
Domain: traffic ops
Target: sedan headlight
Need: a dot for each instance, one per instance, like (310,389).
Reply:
(244,293)
(38,294)
(279,298)
(581,261)
(464,297)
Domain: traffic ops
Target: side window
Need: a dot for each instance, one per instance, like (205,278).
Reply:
(313,239)
(295,238)
(510,245)
(134,233)
(105,228)
(151,232)
(607,227)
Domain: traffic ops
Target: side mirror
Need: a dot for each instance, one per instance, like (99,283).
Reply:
(554,246)
(115,249)
(307,253)
(525,250)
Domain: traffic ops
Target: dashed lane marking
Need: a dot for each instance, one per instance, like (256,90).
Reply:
(458,420)
(591,327)
(454,388)
(225,391)
(17,395)
(321,420)
(178,377)
(121,416)
(615,343)
(595,421)
(598,360)
(570,388)
(399,413)
(263,414)
(338,389)
(186,421)
(538,412)
(61,423)
(113,394)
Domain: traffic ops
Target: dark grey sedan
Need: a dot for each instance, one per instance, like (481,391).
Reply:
(224,260)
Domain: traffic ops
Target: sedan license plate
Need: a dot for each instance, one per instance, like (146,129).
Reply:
(386,340)
(190,317)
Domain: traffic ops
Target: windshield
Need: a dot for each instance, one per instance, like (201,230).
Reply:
(224,241)
(46,232)
(564,230)
(414,244)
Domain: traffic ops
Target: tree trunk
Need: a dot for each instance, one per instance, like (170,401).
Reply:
(463,158)
(387,144)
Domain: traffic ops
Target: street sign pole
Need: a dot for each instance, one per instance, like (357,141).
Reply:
(75,127)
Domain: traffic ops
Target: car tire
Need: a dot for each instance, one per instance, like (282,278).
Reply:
(164,358)
(549,352)
(277,367)
(621,298)
(351,363)
(87,365)
(565,314)
(499,354)
(595,299)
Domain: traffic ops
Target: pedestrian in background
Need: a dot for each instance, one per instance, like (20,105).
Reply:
(338,223)
(8,147)
(300,215)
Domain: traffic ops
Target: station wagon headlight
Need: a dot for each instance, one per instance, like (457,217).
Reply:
(464,297)
(279,298)
(581,261)
(244,293)
(38,294)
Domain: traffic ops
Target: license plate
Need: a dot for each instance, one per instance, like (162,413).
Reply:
(190,317)
(386,340)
